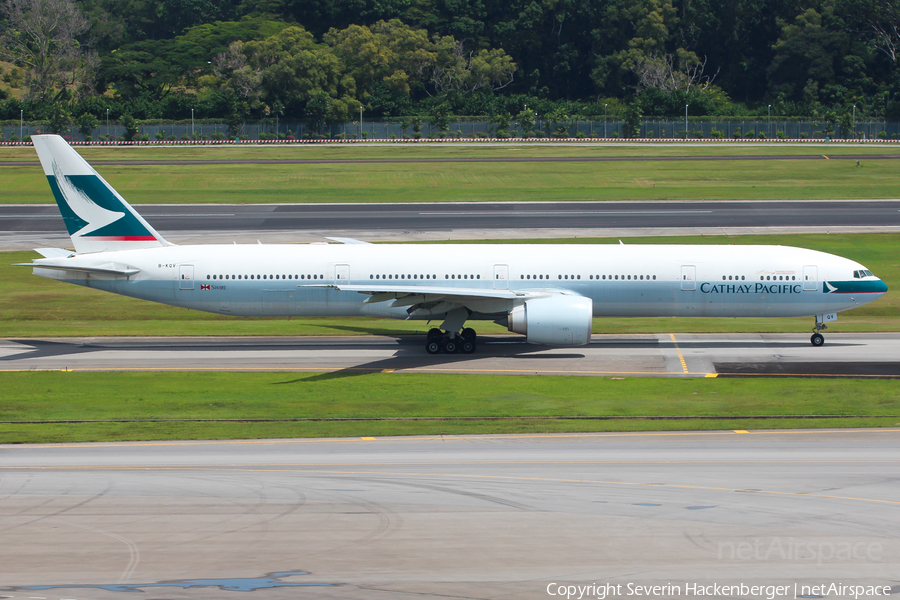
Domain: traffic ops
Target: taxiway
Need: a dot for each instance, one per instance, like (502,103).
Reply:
(681,355)
(491,517)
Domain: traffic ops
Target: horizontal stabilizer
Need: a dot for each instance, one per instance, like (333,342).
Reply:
(106,269)
(54,252)
(343,240)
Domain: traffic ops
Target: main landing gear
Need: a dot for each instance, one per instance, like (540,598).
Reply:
(450,342)
(817,338)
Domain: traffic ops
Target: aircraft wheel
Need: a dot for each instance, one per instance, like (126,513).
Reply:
(468,334)
(467,347)
(451,346)
(433,347)
(434,334)
(817,339)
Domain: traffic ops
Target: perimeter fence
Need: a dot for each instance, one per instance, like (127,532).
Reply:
(651,129)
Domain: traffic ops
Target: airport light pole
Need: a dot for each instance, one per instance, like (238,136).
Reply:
(360,121)
(604,119)
(769,121)
(685,121)
(107,123)
(192,123)
(21,124)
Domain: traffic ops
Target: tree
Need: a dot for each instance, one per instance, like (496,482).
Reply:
(807,49)
(131,126)
(87,123)
(456,70)
(60,119)
(42,36)
(632,125)
(309,76)
(389,53)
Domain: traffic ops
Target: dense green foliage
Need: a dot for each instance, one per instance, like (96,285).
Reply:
(323,60)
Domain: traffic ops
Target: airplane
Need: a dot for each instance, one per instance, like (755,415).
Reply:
(548,293)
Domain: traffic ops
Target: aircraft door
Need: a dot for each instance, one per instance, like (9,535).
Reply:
(501,277)
(342,273)
(185,277)
(810,278)
(688,278)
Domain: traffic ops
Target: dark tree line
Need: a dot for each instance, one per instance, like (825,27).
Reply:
(323,60)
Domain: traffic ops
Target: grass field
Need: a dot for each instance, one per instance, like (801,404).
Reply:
(471,182)
(108,399)
(36,307)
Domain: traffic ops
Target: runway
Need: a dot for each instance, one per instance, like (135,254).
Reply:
(493,517)
(660,355)
(23,227)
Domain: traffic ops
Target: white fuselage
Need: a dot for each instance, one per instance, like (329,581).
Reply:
(621,280)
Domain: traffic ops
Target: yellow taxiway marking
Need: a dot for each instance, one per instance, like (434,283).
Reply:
(711,375)
(282,468)
(449,438)
(367,438)
(741,431)
(680,355)
(387,370)
(825,157)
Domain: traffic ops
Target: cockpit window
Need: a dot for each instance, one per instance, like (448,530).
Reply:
(862,273)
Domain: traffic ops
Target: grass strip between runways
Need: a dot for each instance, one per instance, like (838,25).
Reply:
(160,406)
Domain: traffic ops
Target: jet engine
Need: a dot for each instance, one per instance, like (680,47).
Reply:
(555,320)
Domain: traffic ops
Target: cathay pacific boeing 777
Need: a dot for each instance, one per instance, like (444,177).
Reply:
(549,293)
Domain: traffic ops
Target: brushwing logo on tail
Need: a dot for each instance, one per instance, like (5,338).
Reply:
(85,217)
(84,208)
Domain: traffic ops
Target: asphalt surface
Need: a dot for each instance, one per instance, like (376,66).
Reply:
(219,218)
(670,355)
(493,517)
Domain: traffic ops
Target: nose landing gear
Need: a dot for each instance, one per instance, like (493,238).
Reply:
(450,342)
(817,338)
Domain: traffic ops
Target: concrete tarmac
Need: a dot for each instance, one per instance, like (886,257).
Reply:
(493,517)
(672,355)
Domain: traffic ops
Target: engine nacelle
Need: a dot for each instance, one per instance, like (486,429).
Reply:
(556,320)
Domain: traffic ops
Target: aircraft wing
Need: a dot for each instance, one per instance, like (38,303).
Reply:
(403,290)
(382,293)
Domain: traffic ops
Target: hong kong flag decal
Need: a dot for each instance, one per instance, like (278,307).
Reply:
(204,287)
